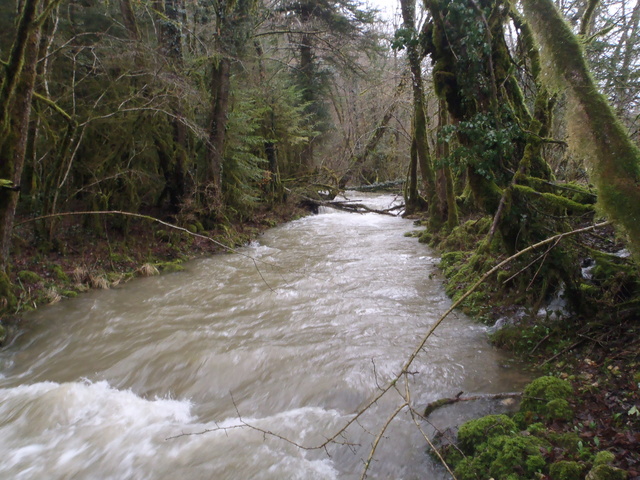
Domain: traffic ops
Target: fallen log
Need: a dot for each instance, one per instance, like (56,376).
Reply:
(431,407)
(350,206)
(346,205)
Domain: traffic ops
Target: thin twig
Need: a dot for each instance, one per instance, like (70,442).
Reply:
(379,437)
(429,442)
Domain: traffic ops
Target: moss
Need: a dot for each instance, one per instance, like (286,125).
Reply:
(516,453)
(7,297)
(512,457)
(565,470)
(69,293)
(169,267)
(569,441)
(476,432)
(59,274)
(27,276)
(540,393)
(555,203)
(536,428)
(200,227)
(426,237)
(558,409)
(3,334)
(606,472)
(603,458)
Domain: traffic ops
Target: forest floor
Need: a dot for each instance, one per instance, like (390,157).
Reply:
(106,257)
(600,356)
(597,352)
(602,362)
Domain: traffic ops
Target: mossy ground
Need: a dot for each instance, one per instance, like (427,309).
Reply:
(85,260)
(543,442)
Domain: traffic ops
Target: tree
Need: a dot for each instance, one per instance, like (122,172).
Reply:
(233,25)
(329,36)
(409,37)
(16,91)
(614,158)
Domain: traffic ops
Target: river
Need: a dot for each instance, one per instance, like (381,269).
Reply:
(293,335)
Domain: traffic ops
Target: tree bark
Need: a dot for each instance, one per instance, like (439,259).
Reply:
(420,121)
(615,160)
(173,160)
(220,91)
(16,92)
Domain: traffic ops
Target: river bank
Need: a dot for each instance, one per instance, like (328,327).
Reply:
(591,341)
(85,259)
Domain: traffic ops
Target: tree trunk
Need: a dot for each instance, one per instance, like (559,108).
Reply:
(15,101)
(420,121)
(174,160)
(615,160)
(129,20)
(448,210)
(274,186)
(220,91)
(308,93)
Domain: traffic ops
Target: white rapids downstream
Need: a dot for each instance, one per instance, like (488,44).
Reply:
(293,336)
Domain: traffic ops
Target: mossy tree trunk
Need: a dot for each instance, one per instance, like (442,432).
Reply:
(16,92)
(419,114)
(448,210)
(614,158)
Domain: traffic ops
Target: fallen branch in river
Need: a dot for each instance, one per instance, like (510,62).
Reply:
(348,206)
(433,406)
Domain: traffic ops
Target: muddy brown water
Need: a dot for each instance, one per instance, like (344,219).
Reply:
(293,346)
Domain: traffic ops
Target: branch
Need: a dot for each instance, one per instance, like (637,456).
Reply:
(379,437)
(429,442)
(433,406)
(53,105)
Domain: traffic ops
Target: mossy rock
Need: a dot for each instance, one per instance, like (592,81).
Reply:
(516,452)
(170,267)
(69,293)
(548,397)
(477,432)
(606,472)
(59,274)
(559,409)
(27,276)
(504,457)
(566,470)
(603,458)
(3,334)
